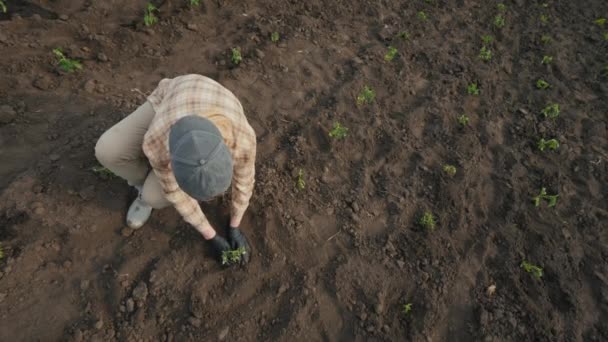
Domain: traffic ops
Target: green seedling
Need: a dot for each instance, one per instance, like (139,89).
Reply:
(544,19)
(605,71)
(551,144)
(536,271)
(367,96)
(463,120)
(300,184)
(403,35)
(502,7)
(407,308)
(149,16)
(390,55)
(545,5)
(274,37)
(552,199)
(487,39)
(600,22)
(472,89)
(427,221)
(103,172)
(551,111)
(1,252)
(195,2)
(605,36)
(422,15)
(499,21)
(545,39)
(66,64)
(542,84)
(236,57)
(485,54)
(547,60)
(233,257)
(450,170)
(2,6)
(338,132)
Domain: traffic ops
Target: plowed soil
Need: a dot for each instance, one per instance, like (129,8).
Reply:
(338,260)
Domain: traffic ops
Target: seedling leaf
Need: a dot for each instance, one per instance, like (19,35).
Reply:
(427,221)
(338,132)
(236,57)
(390,55)
(274,37)
(407,308)
(450,170)
(367,96)
(233,256)
(536,271)
(300,184)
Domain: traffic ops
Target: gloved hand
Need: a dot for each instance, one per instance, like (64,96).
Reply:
(237,239)
(218,245)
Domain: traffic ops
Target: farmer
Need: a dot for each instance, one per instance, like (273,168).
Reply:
(187,143)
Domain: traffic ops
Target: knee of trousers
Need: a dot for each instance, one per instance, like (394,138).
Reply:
(155,200)
(105,150)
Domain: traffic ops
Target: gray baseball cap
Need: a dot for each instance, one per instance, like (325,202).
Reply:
(201,161)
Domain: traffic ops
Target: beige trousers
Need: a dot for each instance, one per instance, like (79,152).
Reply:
(119,149)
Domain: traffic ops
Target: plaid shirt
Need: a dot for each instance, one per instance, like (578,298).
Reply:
(199,95)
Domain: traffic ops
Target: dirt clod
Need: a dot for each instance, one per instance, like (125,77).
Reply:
(140,293)
(7,114)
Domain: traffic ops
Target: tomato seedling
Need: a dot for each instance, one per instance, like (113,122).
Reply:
(407,308)
(547,60)
(552,199)
(236,57)
(367,96)
(66,64)
(300,183)
(551,111)
(463,120)
(542,84)
(233,256)
(485,54)
(422,15)
(427,221)
(338,132)
(499,21)
(472,89)
(390,55)
(551,144)
(149,16)
(274,37)
(450,170)
(536,271)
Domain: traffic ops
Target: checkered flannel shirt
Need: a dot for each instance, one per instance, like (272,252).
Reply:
(199,95)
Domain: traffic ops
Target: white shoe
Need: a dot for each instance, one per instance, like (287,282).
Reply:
(139,212)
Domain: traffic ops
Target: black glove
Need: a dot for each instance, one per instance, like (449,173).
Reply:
(238,240)
(218,246)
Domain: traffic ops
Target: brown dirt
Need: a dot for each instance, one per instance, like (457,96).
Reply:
(337,260)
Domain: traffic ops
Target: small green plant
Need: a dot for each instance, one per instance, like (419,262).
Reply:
(547,60)
(233,256)
(407,308)
(551,144)
(338,132)
(600,22)
(422,15)
(499,21)
(605,36)
(542,84)
(367,96)
(103,172)
(450,170)
(545,39)
(472,89)
(66,64)
(487,39)
(552,199)
(605,71)
(149,16)
(195,2)
(390,55)
(551,111)
(536,271)
(236,57)
(274,37)
(403,35)
(300,184)
(463,120)
(427,221)
(1,252)
(501,7)
(485,54)
(2,6)
(544,19)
